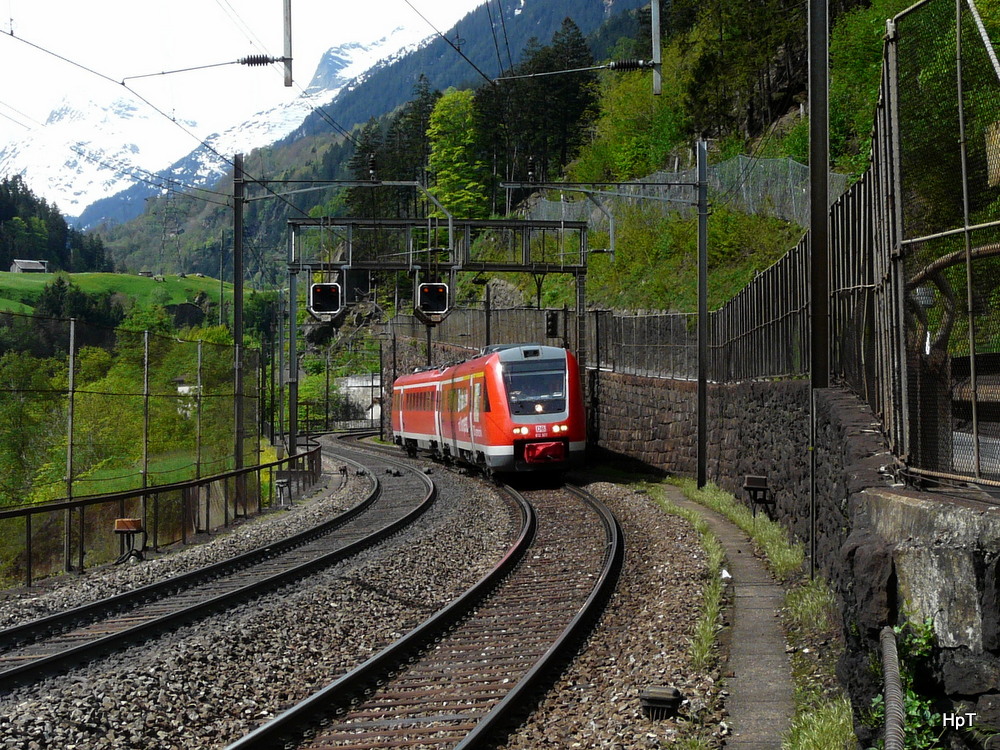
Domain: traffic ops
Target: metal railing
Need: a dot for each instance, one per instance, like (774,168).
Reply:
(33,536)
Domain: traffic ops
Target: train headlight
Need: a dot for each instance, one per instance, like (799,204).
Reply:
(520,430)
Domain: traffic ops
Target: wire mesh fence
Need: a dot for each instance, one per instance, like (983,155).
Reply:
(768,187)
(86,410)
(100,423)
(914,262)
(947,101)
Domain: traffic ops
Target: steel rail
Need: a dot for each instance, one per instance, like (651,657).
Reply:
(36,669)
(46,626)
(603,588)
(337,695)
(370,672)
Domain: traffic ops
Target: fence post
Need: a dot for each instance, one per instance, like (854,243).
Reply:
(967,237)
(68,546)
(71,398)
(27,550)
(702,311)
(145,424)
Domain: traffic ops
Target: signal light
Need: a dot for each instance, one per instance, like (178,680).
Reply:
(325,298)
(552,324)
(432,297)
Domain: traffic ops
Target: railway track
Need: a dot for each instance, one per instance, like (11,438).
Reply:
(457,678)
(33,650)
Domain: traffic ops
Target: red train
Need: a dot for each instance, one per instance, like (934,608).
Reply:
(513,408)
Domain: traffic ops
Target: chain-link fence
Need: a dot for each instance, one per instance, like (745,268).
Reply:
(767,187)
(914,262)
(947,102)
(89,410)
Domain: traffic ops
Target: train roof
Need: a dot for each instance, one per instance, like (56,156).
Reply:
(505,353)
(519,352)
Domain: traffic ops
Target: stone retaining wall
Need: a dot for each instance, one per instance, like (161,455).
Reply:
(891,554)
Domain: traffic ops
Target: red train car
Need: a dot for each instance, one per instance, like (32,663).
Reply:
(513,408)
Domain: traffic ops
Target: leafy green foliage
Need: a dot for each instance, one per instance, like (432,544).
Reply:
(855,74)
(29,410)
(459,176)
(538,121)
(915,644)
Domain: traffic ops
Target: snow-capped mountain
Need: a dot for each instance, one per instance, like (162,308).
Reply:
(340,68)
(88,151)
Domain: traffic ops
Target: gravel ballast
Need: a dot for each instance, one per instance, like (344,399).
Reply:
(207,684)
(210,683)
(641,640)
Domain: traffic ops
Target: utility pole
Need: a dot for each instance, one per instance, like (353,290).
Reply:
(288,43)
(238,186)
(702,313)
(657,61)
(819,236)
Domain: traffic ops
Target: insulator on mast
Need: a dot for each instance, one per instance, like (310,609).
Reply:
(631,64)
(257,60)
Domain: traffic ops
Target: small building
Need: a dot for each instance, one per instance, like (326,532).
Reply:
(29,266)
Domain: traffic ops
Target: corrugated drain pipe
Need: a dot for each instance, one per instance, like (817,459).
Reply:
(893,691)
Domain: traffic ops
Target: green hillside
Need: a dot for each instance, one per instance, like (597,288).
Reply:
(19,291)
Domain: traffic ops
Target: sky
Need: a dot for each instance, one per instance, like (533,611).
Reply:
(118,40)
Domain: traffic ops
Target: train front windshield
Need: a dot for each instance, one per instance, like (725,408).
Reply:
(536,387)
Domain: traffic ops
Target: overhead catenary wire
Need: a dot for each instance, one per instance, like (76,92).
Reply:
(624,65)
(208,146)
(506,40)
(255,41)
(450,43)
(496,42)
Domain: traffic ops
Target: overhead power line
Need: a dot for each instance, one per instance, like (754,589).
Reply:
(450,43)
(156,109)
(623,65)
(251,60)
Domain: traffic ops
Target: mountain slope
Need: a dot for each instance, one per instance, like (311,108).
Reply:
(128,145)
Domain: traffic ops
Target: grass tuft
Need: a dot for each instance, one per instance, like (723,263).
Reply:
(823,727)
(823,716)
(784,557)
(703,641)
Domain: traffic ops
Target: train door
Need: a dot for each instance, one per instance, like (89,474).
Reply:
(397,411)
(476,425)
(439,406)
